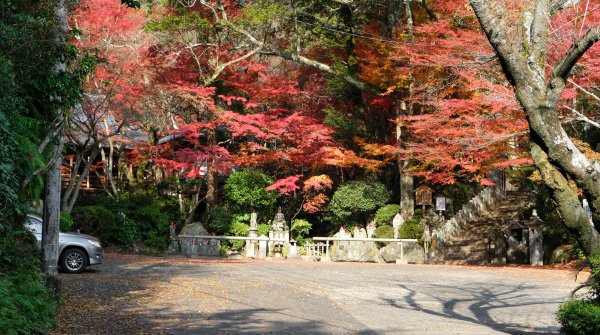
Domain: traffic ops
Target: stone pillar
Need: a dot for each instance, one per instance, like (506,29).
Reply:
(173,243)
(536,245)
(498,247)
(293,253)
(253,232)
(262,247)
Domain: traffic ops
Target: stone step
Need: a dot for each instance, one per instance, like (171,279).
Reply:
(469,243)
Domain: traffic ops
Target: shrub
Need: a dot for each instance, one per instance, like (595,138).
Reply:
(97,221)
(300,228)
(138,217)
(66,222)
(148,219)
(127,232)
(385,214)
(355,200)
(219,220)
(263,229)
(411,229)
(239,228)
(578,317)
(386,231)
(25,305)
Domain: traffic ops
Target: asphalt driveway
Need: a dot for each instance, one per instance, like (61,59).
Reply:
(131,294)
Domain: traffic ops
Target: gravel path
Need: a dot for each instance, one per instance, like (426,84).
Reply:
(131,294)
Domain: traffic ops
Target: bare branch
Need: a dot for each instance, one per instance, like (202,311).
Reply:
(584,90)
(564,67)
(582,117)
(223,66)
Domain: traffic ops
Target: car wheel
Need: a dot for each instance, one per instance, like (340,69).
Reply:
(73,260)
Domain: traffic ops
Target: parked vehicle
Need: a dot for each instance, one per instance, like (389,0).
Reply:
(76,250)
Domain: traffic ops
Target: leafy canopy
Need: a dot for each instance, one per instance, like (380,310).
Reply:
(246,189)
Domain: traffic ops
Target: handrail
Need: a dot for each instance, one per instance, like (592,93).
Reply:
(365,239)
(243,238)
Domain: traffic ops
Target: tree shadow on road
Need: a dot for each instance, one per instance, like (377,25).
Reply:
(135,298)
(243,321)
(481,303)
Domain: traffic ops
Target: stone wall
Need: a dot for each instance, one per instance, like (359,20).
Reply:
(193,247)
(366,251)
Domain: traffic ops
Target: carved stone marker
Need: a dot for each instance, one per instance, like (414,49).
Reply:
(396,223)
(251,246)
(279,227)
(536,245)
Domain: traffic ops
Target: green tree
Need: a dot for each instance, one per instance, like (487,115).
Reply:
(245,190)
(355,201)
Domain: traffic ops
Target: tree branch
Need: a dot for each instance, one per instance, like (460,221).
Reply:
(223,66)
(564,67)
(582,117)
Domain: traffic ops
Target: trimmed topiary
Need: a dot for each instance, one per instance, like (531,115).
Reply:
(354,201)
(385,214)
(410,229)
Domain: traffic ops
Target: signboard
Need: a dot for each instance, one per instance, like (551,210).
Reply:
(424,196)
(204,168)
(440,203)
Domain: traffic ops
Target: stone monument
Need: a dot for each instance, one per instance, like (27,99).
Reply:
(536,245)
(173,242)
(279,231)
(396,223)
(370,230)
(192,246)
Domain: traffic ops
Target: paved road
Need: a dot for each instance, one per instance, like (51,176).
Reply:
(181,296)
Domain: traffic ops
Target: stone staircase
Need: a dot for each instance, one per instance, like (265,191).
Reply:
(465,238)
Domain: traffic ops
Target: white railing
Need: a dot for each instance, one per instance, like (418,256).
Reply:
(242,238)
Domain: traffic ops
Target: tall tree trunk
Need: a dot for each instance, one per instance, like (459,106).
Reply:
(407,201)
(109,162)
(51,215)
(525,66)
(51,219)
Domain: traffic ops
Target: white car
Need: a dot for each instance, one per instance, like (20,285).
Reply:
(76,251)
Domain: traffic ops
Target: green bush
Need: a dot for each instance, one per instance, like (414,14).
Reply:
(147,219)
(578,317)
(386,231)
(263,229)
(219,220)
(245,190)
(355,200)
(239,228)
(127,232)
(385,214)
(25,305)
(134,217)
(66,222)
(97,221)
(300,228)
(411,229)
